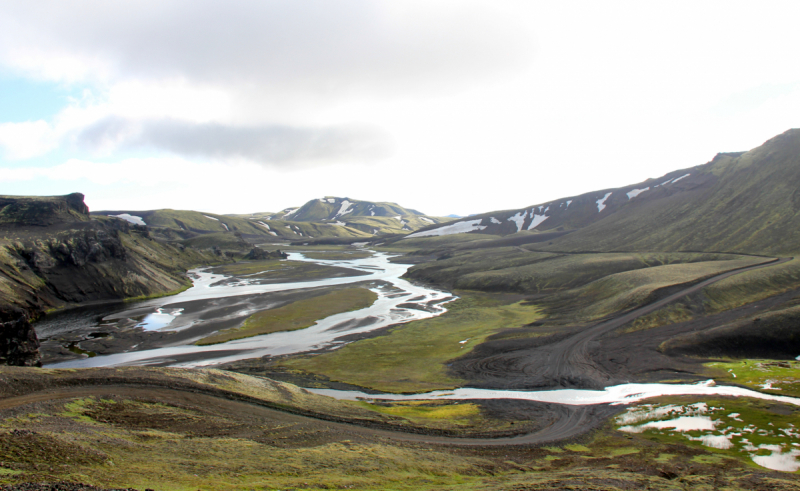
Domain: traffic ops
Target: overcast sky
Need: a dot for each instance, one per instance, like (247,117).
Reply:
(446,107)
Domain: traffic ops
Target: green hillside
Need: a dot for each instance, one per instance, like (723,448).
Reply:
(746,202)
(189,225)
(743,202)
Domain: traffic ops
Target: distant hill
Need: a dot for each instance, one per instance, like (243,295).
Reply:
(331,208)
(368,217)
(739,202)
(187,225)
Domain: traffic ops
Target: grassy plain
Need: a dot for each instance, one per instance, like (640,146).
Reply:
(297,315)
(412,357)
(338,255)
(284,270)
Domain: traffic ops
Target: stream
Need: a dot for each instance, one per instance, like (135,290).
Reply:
(398,301)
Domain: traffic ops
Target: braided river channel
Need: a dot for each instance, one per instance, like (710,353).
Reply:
(398,301)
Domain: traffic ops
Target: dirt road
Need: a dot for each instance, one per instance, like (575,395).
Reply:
(567,361)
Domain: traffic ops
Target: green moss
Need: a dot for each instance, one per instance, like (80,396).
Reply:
(413,357)
(297,315)
(783,376)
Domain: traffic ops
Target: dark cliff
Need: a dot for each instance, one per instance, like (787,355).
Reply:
(53,254)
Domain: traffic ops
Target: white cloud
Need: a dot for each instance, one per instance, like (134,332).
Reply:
(27,139)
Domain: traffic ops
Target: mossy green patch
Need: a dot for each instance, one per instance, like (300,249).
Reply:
(577,448)
(771,376)
(283,270)
(741,427)
(412,357)
(297,315)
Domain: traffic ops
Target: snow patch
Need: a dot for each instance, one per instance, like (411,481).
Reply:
(678,179)
(331,200)
(226,227)
(292,212)
(455,228)
(495,220)
(537,220)
(337,222)
(428,220)
(601,203)
(519,219)
(344,209)
(636,192)
(211,218)
(569,202)
(398,217)
(130,218)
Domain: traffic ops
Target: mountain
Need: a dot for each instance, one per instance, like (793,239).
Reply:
(366,217)
(337,209)
(194,226)
(744,202)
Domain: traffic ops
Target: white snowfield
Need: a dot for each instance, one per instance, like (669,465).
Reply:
(495,220)
(398,217)
(331,200)
(337,222)
(636,192)
(130,218)
(292,212)
(211,218)
(226,227)
(264,225)
(345,209)
(519,219)
(537,220)
(673,181)
(455,228)
(569,202)
(601,203)
(428,220)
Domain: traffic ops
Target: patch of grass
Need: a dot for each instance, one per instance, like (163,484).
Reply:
(413,357)
(284,270)
(297,315)
(782,376)
(618,452)
(431,414)
(159,295)
(623,291)
(338,255)
(577,448)
(752,286)
(747,423)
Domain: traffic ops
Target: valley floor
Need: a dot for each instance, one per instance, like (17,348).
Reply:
(639,318)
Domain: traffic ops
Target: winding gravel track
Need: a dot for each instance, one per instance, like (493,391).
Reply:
(570,421)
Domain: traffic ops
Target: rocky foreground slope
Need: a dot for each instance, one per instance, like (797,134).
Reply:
(54,254)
